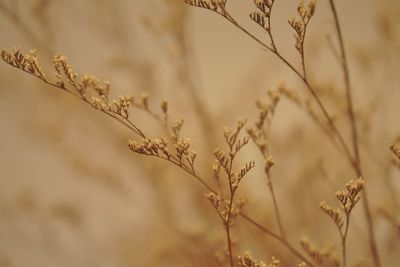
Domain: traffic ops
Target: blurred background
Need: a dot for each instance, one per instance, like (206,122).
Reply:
(71,192)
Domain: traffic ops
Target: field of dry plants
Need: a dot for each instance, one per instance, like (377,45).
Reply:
(258,133)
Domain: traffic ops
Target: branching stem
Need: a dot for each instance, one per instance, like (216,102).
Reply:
(350,111)
(309,87)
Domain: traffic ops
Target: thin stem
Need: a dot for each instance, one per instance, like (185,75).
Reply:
(275,202)
(268,172)
(344,239)
(346,74)
(303,59)
(269,31)
(331,123)
(278,238)
(304,79)
(228,220)
(266,155)
(126,122)
(350,110)
(204,115)
(306,82)
(355,162)
(189,171)
(228,236)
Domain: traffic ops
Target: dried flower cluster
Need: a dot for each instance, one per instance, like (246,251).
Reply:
(334,213)
(214,5)
(260,131)
(395,147)
(299,24)
(225,161)
(263,16)
(155,147)
(28,63)
(183,156)
(325,257)
(246,260)
(96,93)
(224,208)
(348,199)
(88,88)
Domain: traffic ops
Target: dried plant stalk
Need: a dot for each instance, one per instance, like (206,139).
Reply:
(305,13)
(259,133)
(356,150)
(348,199)
(184,158)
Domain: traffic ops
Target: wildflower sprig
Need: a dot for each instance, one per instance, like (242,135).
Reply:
(217,6)
(259,133)
(324,257)
(86,87)
(227,209)
(246,260)
(263,18)
(348,199)
(95,93)
(299,24)
(305,11)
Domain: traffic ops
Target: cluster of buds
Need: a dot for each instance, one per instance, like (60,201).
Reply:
(214,5)
(182,147)
(154,147)
(324,256)
(349,197)
(121,106)
(267,110)
(102,88)
(395,147)
(226,211)
(334,213)
(258,132)
(299,23)
(231,135)
(176,129)
(63,68)
(262,17)
(223,159)
(28,62)
(246,260)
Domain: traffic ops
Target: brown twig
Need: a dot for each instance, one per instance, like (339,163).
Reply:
(278,238)
(309,87)
(350,110)
(259,133)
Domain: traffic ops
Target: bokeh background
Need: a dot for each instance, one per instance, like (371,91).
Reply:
(72,194)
